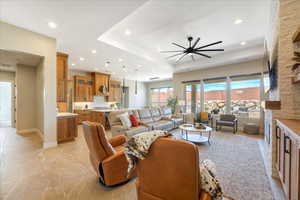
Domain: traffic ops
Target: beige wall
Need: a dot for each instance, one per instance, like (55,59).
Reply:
(18,39)
(249,67)
(26,98)
(40,97)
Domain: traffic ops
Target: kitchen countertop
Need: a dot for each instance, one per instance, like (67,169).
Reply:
(66,114)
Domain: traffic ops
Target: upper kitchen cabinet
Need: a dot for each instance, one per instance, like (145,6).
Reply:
(101,83)
(114,91)
(61,76)
(83,89)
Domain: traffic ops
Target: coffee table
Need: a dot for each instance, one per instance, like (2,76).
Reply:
(196,135)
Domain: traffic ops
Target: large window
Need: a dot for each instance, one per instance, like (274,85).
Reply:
(188,98)
(245,98)
(214,97)
(159,96)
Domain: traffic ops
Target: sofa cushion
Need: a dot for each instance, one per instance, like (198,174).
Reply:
(225,123)
(125,120)
(155,113)
(145,116)
(161,125)
(135,130)
(166,112)
(134,121)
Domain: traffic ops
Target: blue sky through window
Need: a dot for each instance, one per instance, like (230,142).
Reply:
(245,84)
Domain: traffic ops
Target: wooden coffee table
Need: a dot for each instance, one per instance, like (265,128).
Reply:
(196,135)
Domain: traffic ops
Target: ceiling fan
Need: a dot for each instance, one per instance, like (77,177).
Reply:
(192,49)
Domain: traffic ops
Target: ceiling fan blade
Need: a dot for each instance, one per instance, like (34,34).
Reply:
(193,57)
(181,58)
(209,45)
(178,45)
(195,44)
(201,54)
(174,55)
(169,51)
(210,50)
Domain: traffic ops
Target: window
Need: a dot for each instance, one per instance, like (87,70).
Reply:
(159,96)
(214,97)
(245,98)
(188,98)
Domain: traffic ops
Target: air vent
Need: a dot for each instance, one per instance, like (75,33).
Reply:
(154,78)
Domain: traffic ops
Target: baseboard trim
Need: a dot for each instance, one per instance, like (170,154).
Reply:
(47,145)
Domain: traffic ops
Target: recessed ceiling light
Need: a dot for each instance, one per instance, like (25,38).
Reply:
(127,32)
(94,51)
(243,43)
(120,59)
(73,64)
(81,59)
(238,21)
(52,25)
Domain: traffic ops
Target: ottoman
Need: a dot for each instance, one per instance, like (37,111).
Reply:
(251,128)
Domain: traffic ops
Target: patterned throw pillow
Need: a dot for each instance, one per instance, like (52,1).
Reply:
(125,120)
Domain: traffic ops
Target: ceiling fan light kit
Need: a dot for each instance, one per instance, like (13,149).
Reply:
(192,50)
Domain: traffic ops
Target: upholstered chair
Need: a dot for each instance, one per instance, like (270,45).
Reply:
(162,177)
(227,120)
(106,155)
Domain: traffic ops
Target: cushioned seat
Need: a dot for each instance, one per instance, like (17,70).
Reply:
(135,130)
(161,125)
(227,120)
(106,155)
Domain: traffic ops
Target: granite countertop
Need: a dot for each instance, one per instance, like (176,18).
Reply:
(65,114)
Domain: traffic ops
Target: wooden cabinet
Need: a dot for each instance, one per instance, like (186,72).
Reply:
(61,76)
(83,89)
(287,156)
(114,91)
(83,115)
(98,117)
(101,84)
(66,128)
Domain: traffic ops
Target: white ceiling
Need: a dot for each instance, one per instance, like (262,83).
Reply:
(153,24)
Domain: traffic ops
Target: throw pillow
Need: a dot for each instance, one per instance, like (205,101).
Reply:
(134,121)
(125,120)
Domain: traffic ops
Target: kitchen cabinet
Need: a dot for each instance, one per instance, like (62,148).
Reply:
(98,117)
(114,91)
(83,115)
(287,160)
(66,128)
(83,91)
(101,84)
(61,76)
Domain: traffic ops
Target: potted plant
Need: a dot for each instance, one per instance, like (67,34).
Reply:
(172,102)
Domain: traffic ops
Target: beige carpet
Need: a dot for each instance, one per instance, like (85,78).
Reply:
(240,167)
(29,172)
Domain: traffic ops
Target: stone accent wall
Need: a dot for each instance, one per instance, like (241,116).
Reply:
(287,93)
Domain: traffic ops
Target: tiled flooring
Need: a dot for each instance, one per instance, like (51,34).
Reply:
(29,172)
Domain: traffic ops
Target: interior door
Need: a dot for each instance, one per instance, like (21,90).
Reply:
(6,104)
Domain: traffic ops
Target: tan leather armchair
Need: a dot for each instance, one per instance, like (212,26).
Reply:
(170,172)
(106,155)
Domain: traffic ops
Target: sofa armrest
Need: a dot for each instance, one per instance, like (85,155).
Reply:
(177,115)
(117,141)
(204,196)
(118,130)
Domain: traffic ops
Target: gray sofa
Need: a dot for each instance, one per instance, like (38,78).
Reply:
(150,119)
(118,129)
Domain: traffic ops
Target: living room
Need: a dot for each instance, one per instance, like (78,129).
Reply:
(110,99)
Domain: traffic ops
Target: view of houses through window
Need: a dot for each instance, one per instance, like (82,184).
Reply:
(243,96)
(159,96)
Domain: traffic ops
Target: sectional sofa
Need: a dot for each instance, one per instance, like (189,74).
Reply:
(158,118)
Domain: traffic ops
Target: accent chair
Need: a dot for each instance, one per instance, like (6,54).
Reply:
(106,155)
(227,120)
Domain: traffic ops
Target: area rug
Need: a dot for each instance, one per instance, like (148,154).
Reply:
(239,163)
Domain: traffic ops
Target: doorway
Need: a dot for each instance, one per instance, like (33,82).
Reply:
(6,108)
